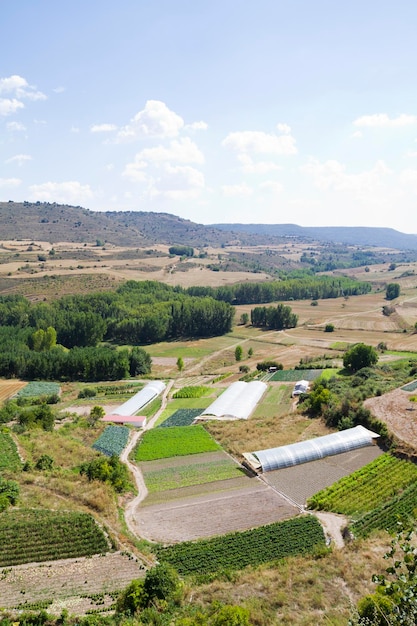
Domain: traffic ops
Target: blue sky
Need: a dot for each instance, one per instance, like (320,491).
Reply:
(301,111)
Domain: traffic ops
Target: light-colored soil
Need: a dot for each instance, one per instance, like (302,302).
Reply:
(397,411)
(212,514)
(68,580)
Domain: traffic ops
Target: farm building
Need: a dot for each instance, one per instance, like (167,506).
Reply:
(237,402)
(300,386)
(310,450)
(133,420)
(151,391)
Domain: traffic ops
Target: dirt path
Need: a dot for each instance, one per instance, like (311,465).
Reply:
(333,525)
(130,509)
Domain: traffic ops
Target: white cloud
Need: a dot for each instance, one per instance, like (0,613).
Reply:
(196,126)
(20,159)
(181,151)
(382,120)
(242,190)
(103,128)
(71,192)
(10,182)
(249,166)
(284,129)
(155,120)
(409,177)
(9,106)
(332,175)
(272,186)
(259,142)
(20,88)
(15,127)
(179,182)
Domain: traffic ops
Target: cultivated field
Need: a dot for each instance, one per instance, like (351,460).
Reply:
(9,388)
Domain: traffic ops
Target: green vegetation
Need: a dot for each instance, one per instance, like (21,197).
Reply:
(9,493)
(274,318)
(188,475)
(181,417)
(192,392)
(392,291)
(291,376)
(112,441)
(9,458)
(252,547)
(36,388)
(39,535)
(367,488)
(181,250)
(162,443)
(359,356)
(109,470)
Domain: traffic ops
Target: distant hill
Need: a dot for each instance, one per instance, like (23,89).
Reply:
(45,221)
(357,235)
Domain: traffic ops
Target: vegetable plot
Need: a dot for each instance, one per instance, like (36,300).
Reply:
(188,475)
(9,458)
(32,535)
(181,417)
(368,488)
(112,441)
(252,547)
(162,443)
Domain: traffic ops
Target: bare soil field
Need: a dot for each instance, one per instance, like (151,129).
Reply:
(9,388)
(68,582)
(213,514)
(400,415)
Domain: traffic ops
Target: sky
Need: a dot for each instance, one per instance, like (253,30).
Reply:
(217,111)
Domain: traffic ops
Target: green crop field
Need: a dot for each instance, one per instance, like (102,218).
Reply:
(113,440)
(39,535)
(193,392)
(291,376)
(181,417)
(299,535)
(368,488)
(189,475)
(36,388)
(401,509)
(9,458)
(162,443)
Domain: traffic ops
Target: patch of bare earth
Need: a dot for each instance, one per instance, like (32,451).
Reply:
(399,414)
(69,582)
(210,514)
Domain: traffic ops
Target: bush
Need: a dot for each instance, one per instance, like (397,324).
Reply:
(87,392)
(329,328)
(263,366)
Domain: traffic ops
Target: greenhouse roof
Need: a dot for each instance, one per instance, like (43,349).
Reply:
(140,399)
(238,401)
(313,449)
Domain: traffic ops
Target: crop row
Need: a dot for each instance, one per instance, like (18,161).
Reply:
(161,443)
(9,458)
(181,417)
(252,547)
(367,488)
(291,376)
(188,475)
(37,535)
(401,508)
(36,388)
(112,441)
(192,392)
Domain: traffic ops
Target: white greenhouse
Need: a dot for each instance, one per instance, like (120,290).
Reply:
(237,402)
(311,450)
(142,398)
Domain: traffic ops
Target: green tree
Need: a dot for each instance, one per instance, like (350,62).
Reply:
(244,319)
(238,353)
(162,583)
(392,291)
(96,413)
(9,493)
(131,599)
(180,364)
(329,328)
(359,356)
(230,615)
(250,352)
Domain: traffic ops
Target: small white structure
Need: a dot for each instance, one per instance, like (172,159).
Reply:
(141,399)
(300,386)
(237,402)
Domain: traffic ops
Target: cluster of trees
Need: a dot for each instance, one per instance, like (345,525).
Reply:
(109,470)
(274,318)
(181,250)
(9,493)
(305,288)
(85,364)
